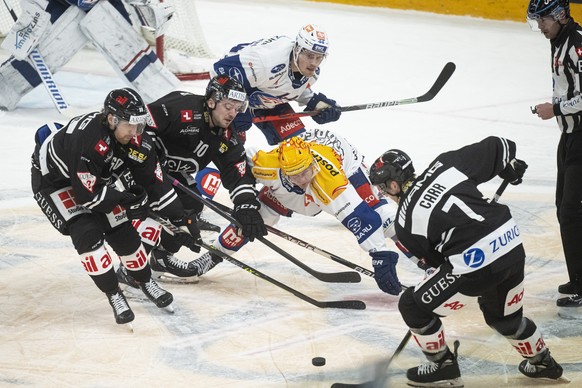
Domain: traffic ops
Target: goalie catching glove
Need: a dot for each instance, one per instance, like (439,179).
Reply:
(384,263)
(329,110)
(514,171)
(251,223)
(153,15)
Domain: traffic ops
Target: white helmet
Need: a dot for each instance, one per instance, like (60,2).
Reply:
(312,38)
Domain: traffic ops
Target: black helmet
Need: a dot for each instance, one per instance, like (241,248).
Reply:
(126,104)
(537,9)
(223,86)
(393,165)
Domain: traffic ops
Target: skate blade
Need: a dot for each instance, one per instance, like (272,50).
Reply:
(564,379)
(169,308)
(456,383)
(129,326)
(165,277)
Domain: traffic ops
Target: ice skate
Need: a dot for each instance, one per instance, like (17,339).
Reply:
(570,301)
(444,373)
(121,309)
(125,278)
(204,224)
(206,262)
(168,268)
(547,367)
(569,288)
(158,295)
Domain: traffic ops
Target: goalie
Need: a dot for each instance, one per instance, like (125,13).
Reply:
(58,29)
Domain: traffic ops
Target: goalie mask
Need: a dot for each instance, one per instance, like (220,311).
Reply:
(125,104)
(223,86)
(393,165)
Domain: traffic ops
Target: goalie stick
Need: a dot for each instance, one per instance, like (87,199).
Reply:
(441,80)
(340,304)
(381,379)
(43,71)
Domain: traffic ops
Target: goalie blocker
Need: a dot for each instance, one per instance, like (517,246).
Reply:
(72,30)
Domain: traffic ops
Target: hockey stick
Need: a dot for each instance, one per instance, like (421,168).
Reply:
(441,80)
(43,71)
(340,304)
(408,334)
(338,277)
(379,381)
(307,245)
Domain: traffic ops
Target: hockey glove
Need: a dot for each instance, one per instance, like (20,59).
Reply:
(188,240)
(136,203)
(384,263)
(252,224)
(329,110)
(514,171)
(242,122)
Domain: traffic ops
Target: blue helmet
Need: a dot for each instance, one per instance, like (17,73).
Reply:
(558,9)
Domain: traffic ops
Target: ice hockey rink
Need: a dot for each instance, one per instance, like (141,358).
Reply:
(233,329)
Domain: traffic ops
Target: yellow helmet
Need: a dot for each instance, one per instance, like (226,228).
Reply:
(294,156)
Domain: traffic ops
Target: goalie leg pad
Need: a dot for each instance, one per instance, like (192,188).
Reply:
(128,52)
(63,41)
(27,31)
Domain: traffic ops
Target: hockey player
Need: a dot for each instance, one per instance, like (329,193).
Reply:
(565,35)
(190,132)
(275,71)
(321,171)
(475,246)
(59,30)
(72,174)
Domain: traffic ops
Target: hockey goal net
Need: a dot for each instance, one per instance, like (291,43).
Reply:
(183,48)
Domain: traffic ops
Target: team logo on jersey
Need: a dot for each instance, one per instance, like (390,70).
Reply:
(474,258)
(101,147)
(158,172)
(242,168)
(579,51)
(87,179)
(186,116)
(278,68)
(264,100)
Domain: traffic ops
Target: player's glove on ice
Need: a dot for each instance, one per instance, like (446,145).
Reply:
(329,110)
(514,171)
(188,240)
(384,263)
(136,203)
(252,224)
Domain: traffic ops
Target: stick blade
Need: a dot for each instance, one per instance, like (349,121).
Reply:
(442,79)
(344,304)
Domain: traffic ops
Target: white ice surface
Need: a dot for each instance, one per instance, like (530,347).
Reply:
(233,329)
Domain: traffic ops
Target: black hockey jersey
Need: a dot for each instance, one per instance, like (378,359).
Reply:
(444,217)
(181,128)
(85,155)
(567,77)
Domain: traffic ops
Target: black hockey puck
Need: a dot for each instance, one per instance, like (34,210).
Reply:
(318,361)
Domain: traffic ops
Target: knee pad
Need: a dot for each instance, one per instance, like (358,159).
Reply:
(137,263)
(124,239)
(506,326)
(413,316)
(86,232)
(229,241)
(97,261)
(149,232)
